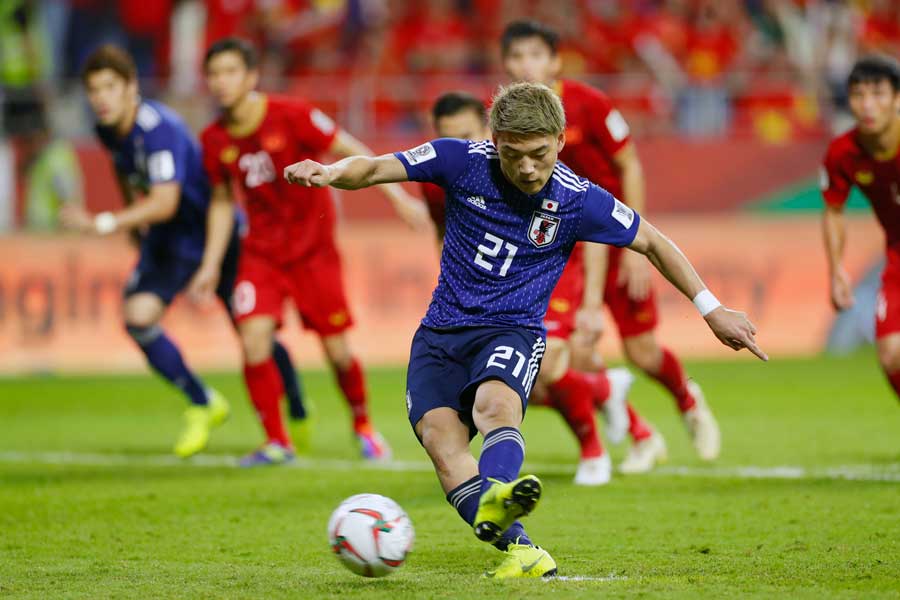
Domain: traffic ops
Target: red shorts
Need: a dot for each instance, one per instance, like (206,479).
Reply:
(887,308)
(632,317)
(566,298)
(314,284)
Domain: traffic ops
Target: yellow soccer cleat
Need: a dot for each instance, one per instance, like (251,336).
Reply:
(503,503)
(524,561)
(198,421)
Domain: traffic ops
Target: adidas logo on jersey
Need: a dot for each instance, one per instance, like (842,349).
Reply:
(477,201)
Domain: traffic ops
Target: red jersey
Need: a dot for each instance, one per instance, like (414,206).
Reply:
(595,132)
(847,164)
(434,200)
(287,222)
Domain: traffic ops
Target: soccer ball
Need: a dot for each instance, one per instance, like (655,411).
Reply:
(370,534)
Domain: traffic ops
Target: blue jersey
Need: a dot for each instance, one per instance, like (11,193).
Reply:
(159,149)
(504,250)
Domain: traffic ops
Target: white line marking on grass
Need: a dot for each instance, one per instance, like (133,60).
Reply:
(585,578)
(861,472)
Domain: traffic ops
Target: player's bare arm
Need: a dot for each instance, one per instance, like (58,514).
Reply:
(589,318)
(219,225)
(409,208)
(834,232)
(733,328)
(351,173)
(158,206)
(633,271)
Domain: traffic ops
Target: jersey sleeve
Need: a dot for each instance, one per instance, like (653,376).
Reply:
(605,220)
(312,127)
(833,181)
(439,161)
(167,150)
(607,125)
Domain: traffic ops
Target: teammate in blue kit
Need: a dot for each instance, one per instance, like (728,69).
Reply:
(513,216)
(160,171)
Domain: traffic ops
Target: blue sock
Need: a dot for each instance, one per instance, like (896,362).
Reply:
(163,355)
(502,454)
(291,380)
(464,499)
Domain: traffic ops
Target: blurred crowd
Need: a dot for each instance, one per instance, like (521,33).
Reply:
(773,69)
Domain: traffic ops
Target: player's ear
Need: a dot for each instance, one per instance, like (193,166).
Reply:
(556,64)
(560,142)
(253,78)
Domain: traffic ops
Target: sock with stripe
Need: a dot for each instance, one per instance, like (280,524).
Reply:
(502,454)
(165,358)
(464,498)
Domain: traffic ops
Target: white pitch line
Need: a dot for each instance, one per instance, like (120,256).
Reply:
(860,472)
(585,578)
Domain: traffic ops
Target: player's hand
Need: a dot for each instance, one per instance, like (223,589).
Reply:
(634,272)
(841,290)
(307,173)
(412,211)
(74,217)
(735,330)
(589,323)
(202,288)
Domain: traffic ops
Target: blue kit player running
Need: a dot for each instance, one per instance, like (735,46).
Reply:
(513,216)
(160,172)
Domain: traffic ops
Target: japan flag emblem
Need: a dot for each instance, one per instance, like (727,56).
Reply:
(542,230)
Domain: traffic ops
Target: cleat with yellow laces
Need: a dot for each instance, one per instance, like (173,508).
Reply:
(503,503)
(198,421)
(524,561)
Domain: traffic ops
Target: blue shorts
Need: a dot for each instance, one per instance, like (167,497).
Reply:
(447,366)
(165,275)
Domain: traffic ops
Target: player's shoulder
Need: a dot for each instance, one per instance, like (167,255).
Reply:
(843,146)
(153,116)
(573,89)
(568,182)
(214,134)
(291,106)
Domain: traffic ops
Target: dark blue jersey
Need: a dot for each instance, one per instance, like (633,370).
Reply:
(504,250)
(159,149)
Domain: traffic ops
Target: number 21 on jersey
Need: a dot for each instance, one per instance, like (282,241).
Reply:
(493,251)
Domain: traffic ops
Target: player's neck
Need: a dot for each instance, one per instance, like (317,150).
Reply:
(885,145)
(127,124)
(245,117)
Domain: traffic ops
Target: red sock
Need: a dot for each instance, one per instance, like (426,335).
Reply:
(639,429)
(600,386)
(573,397)
(894,378)
(353,384)
(671,375)
(265,388)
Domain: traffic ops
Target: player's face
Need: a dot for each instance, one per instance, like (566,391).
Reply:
(531,59)
(229,79)
(528,161)
(464,125)
(875,105)
(111,96)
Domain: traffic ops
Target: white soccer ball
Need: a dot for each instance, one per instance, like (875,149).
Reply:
(370,534)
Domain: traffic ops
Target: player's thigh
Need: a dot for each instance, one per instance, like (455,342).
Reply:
(555,362)
(446,440)
(319,294)
(257,334)
(143,309)
(260,289)
(228,272)
(643,350)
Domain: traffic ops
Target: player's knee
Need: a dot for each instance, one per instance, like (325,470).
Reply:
(143,335)
(889,357)
(337,349)
(495,410)
(555,362)
(643,353)
(438,439)
(257,347)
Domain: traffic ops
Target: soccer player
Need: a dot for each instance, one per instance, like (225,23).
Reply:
(572,393)
(599,147)
(290,250)
(478,350)
(160,173)
(868,157)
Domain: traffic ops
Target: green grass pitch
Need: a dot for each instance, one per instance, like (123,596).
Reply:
(804,503)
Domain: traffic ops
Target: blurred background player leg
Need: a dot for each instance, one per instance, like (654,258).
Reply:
(300,413)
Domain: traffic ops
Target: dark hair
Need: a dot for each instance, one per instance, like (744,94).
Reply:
(518,30)
(245,49)
(453,103)
(112,57)
(873,69)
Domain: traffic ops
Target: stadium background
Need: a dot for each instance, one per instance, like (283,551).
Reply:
(731,104)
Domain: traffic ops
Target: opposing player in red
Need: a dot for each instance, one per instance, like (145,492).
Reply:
(868,157)
(289,251)
(599,147)
(574,309)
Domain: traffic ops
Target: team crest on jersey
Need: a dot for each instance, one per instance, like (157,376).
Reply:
(229,154)
(274,142)
(420,154)
(864,177)
(542,230)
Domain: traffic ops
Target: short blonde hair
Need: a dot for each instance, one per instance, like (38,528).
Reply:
(527,109)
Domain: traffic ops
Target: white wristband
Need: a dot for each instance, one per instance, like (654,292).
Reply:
(105,222)
(706,302)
